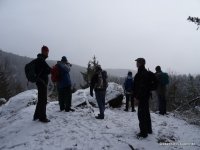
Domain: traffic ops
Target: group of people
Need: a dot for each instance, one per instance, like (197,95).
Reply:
(61,77)
(135,88)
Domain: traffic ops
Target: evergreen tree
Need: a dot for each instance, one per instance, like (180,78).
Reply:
(4,86)
(89,72)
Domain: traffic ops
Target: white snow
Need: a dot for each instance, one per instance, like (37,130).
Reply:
(2,101)
(79,130)
(18,102)
(81,96)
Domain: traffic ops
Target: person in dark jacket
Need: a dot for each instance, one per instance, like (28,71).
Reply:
(142,94)
(42,70)
(99,85)
(162,80)
(64,85)
(128,90)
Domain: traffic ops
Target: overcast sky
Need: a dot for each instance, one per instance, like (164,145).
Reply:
(116,31)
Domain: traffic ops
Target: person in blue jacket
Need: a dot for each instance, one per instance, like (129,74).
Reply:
(128,90)
(64,85)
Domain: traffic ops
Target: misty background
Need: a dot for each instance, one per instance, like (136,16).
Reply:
(116,31)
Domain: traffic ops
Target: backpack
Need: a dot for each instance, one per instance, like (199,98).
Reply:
(101,80)
(152,81)
(164,79)
(129,84)
(30,71)
(55,77)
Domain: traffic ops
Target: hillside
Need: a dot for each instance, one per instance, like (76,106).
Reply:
(14,64)
(79,130)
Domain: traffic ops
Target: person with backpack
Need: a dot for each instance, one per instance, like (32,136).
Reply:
(163,81)
(99,84)
(64,85)
(142,91)
(42,70)
(128,90)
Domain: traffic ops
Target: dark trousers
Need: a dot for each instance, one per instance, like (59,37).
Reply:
(144,116)
(65,98)
(40,111)
(129,97)
(100,96)
(161,103)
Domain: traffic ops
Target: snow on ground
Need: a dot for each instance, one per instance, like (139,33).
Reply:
(81,131)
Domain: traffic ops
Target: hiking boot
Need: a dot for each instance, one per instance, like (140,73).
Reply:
(99,116)
(161,113)
(62,109)
(133,110)
(44,120)
(141,135)
(66,110)
(125,109)
(35,118)
(71,110)
(150,132)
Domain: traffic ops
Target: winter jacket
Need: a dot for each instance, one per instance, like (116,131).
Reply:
(140,84)
(42,69)
(128,85)
(64,75)
(161,89)
(94,81)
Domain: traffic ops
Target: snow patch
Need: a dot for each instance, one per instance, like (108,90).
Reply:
(81,96)
(19,102)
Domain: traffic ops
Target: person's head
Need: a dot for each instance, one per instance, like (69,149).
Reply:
(129,73)
(158,68)
(45,51)
(140,62)
(64,59)
(98,68)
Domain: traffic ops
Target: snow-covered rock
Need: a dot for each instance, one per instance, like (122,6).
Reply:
(2,101)
(19,102)
(81,96)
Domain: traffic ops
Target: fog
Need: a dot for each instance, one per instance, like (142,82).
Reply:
(116,31)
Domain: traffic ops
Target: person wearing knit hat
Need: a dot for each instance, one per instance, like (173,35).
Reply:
(64,85)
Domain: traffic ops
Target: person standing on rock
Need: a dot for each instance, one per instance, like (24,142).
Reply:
(99,84)
(64,85)
(142,94)
(42,71)
(128,89)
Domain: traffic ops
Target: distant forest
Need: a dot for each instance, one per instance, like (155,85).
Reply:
(13,79)
(182,89)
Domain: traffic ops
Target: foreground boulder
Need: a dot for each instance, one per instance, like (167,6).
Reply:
(19,102)
(114,96)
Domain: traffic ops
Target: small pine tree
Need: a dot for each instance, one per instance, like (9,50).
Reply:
(89,72)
